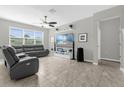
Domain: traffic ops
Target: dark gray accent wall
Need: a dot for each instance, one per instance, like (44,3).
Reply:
(4,31)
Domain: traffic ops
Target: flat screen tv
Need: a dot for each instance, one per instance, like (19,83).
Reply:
(64,38)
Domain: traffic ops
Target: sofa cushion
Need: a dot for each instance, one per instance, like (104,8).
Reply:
(31,50)
(41,46)
(28,48)
(19,49)
(37,53)
(12,51)
(38,48)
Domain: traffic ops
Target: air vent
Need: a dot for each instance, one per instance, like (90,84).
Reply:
(52,11)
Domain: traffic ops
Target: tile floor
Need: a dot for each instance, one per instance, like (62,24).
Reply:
(60,72)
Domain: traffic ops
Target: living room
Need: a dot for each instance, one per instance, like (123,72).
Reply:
(53,46)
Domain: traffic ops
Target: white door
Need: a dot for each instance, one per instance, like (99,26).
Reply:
(110,39)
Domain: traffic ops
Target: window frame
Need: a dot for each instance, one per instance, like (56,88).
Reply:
(23,32)
(42,37)
(10,32)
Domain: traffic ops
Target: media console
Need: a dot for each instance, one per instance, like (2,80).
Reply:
(64,45)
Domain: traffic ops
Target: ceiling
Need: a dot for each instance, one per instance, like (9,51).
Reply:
(31,14)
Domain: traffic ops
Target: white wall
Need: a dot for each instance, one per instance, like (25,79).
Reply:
(4,31)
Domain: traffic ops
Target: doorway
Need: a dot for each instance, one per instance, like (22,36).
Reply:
(109,39)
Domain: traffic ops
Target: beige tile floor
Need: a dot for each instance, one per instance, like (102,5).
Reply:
(60,72)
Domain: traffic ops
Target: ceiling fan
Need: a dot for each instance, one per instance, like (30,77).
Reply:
(45,22)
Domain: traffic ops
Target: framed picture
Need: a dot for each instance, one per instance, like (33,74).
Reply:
(83,37)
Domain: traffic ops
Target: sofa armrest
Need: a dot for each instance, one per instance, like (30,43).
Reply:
(47,51)
(25,67)
(21,55)
(26,61)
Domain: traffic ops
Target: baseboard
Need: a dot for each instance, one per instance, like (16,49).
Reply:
(95,63)
(89,61)
(122,69)
(111,59)
(61,55)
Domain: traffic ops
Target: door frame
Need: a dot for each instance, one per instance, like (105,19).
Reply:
(99,39)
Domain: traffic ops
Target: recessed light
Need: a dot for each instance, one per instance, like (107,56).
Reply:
(52,11)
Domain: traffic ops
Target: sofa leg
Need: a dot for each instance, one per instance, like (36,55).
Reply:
(5,63)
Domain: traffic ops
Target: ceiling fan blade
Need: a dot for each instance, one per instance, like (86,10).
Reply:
(37,23)
(52,22)
(51,25)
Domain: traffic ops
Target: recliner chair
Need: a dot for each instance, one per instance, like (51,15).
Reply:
(19,67)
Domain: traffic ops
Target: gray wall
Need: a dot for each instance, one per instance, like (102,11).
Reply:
(85,26)
(89,25)
(112,12)
(82,26)
(110,39)
(4,31)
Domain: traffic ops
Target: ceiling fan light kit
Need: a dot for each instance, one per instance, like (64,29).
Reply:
(52,11)
(46,24)
(57,29)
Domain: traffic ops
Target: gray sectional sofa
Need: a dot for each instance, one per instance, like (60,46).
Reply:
(22,61)
(31,50)
(19,67)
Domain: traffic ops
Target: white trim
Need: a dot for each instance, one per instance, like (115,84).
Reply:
(61,55)
(91,61)
(99,39)
(110,18)
(110,59)
(43,37)
(13,27)
(23,32)
(95,63)
(68,56)
(122,69)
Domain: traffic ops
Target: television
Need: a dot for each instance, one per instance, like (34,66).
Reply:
(64,38)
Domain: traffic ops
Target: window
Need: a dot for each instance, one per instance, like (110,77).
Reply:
(29,37)
(18,36)
(38,38)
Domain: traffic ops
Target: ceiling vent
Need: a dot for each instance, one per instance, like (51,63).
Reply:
(52,11)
